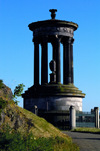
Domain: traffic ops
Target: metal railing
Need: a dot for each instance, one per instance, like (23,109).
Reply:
(60,119)
(85,119)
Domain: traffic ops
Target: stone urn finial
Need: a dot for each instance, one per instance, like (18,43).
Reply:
(53,15)
(52,65)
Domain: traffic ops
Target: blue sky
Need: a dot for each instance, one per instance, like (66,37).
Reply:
(16,47)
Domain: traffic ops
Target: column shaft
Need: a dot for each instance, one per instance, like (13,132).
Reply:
(54,52)
(58,70)
(72,68)
(67,60)
(64,62)
(44,64)
(36,62)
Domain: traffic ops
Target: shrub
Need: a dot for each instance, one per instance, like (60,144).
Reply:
(17,92)
(15,142)
(1,84)
(3,104)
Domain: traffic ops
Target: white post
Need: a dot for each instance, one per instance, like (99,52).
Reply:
(35,110)
(72,117)
(96,109)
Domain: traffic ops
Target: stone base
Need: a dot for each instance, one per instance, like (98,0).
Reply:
(53,97)
(53,103)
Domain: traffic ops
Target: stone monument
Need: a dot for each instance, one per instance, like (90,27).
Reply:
(53,95)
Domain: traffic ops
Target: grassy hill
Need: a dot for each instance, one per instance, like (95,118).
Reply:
(23,122)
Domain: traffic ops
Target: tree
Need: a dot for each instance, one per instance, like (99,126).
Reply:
(17,92)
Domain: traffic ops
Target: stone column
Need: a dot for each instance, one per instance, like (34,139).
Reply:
(67,60)
(36,61)
(54,51)
(72,68)
(64,60)
(44,63)
(72,117)
(58,70)
(96,109)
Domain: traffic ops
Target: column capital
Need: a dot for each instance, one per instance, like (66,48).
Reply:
(66,39)
(72,41)
(44,39)
(58,38)
(69,39)
(36,40)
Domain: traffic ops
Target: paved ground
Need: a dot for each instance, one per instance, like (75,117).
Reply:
(86,141)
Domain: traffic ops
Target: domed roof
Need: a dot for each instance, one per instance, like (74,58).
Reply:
(52,22)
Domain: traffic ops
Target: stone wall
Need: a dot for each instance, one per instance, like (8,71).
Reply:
(53,103)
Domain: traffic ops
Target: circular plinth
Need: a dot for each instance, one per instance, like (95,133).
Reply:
(54,90)
(53,97)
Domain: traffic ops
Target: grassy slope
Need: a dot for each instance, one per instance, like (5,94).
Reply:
(25,121)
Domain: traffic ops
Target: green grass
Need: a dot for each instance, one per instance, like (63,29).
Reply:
(86,130)
(14,141)
(21,130)
(32,134)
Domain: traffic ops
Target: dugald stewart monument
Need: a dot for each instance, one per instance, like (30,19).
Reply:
(53,95)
